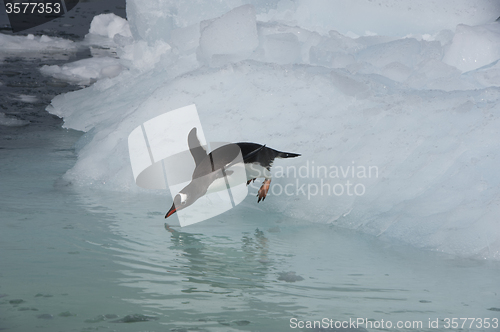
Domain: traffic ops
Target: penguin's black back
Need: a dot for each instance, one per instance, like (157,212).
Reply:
(216,160)
(251,153)
(264,156)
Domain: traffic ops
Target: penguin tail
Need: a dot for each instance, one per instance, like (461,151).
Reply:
(287,155)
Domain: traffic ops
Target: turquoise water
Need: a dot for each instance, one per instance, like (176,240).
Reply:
(75,259)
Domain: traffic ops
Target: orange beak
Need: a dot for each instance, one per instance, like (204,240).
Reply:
(171,211)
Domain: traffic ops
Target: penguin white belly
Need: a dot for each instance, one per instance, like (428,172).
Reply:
(255,170)
(218,185)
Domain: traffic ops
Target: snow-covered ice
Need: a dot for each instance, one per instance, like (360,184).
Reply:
(110,25)
(234,34)
(109,34)
(85,71)
(155,19)
(474,47)
(108,31)
(416,100)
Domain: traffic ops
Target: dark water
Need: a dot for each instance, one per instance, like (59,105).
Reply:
(75,24)
(20,75)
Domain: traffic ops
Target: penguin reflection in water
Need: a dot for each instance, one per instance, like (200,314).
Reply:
(210,169)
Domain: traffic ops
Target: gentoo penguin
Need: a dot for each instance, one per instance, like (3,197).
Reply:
(257,158)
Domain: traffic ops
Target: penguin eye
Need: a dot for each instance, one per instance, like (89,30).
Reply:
(183,203)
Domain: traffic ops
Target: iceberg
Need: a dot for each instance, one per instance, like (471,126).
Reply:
(474,47)
(399,136)
(109,25)
(84,71)
(232,34)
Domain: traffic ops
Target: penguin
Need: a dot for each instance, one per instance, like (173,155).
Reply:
(211,169)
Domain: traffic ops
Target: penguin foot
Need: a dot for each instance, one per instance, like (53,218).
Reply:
(248,182)
(263,190)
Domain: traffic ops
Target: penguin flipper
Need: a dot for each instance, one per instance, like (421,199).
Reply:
(197,150)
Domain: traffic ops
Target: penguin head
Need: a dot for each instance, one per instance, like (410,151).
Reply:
(181,201)
(186,197)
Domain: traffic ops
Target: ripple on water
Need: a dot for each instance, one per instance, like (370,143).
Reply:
(45,316)
(27,309)
(101,318)
(135,318)
(289,276)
